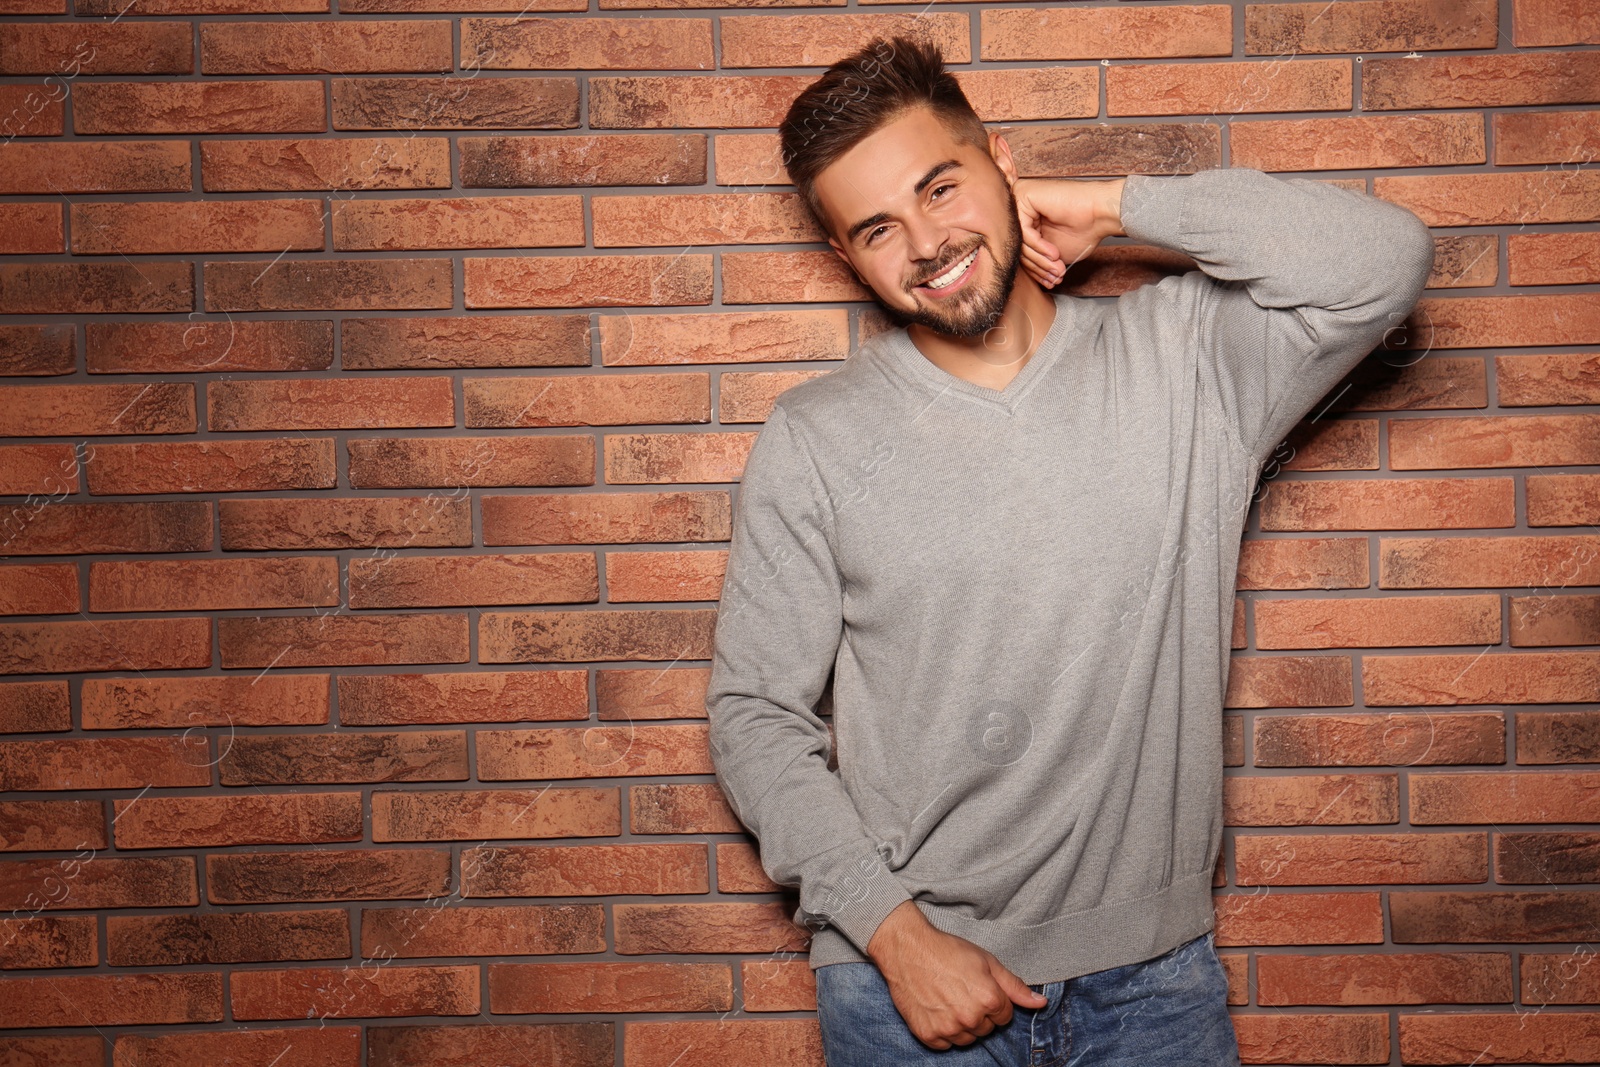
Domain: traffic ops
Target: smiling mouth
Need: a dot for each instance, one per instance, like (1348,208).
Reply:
(952,275)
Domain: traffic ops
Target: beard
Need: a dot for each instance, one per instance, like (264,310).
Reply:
(976,308)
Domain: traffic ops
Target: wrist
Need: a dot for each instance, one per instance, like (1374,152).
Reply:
(1108,207)
(905,920)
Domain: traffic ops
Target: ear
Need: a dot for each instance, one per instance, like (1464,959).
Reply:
(1000,152)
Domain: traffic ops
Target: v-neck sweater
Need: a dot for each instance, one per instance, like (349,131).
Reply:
(1023,597)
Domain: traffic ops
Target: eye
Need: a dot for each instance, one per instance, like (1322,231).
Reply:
(873,236)
(942,188)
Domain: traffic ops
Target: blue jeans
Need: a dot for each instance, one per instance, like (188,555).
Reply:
(1169,1009)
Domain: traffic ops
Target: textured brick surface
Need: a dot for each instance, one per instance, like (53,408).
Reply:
(378,379)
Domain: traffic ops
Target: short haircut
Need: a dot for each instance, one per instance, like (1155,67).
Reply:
(863,92)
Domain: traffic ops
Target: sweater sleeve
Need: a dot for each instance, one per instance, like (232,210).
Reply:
(779,624)
(1306,278)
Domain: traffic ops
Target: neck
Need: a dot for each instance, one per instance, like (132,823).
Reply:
(995,358)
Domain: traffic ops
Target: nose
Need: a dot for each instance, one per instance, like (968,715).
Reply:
(927,238)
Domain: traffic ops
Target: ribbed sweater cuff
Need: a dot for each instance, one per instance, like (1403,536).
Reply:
(860,916)
(1154,208)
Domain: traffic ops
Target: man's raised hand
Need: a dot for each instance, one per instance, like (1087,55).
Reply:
(1062,221)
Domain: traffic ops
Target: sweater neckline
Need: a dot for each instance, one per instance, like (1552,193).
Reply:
(904,351)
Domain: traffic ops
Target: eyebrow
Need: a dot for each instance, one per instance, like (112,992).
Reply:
(922,183)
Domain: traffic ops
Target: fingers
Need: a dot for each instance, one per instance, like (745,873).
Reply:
(1015,988)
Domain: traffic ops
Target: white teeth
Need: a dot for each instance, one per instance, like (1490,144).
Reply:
(953,273)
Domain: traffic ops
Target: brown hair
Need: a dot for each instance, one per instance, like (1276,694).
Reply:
(862,92)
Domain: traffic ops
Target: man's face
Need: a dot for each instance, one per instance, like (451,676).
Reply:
(907,204)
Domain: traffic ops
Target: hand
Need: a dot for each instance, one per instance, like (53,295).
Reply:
(948,990)
(1062,221)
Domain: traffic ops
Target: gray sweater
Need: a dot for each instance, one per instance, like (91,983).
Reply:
(1024,596)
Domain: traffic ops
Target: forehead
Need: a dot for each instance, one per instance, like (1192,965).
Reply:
(881,171)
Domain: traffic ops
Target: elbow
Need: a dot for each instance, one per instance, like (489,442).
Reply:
(1417,258)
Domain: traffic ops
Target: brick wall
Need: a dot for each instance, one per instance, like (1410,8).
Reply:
(378,387)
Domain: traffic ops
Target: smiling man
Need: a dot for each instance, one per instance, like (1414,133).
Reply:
(1007,530)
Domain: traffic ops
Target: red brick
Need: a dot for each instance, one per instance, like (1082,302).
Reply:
(227,937)
(184,226)
(1390,504)
(525,43)
(1302,1037)
(588,400)
(788,278)
(1543,23)
(1508,321)
(694,928)
(713,100)
(461,930)
(277,699)
(587,1044)
(1107,33)
(501,814)
(641,458)
(1417,916)
(1300,919)
(597,751)
(474,581)
(212,467)
(303,1046)
(30,112)
(792,1042)
(104,763)
(50,169)
(365,756)
(1551,978)
(37,349)
(111,999)
(1517,1036)
(317,285)
(391,462)
(1546,859)
(86,881)
(475,697)
(776,984)
(300,404)
(51,470)
(576,160)
(1545,136)
(1553,258)
(1302,800)
(1507,80)
(95,288)
(1518,198)
(1555,620)
(1352,622)
(105,645)
(41,941)
(39,589)
(285,523)
(431,342)
(31,229)
(67,50)
(1357,143)
(255,818)
(1473,678)
(213,584)
(1405,739)
(543,988)
(326,874)
(585,281)
(730,337)
(209,346)
(1371,978)
(664,576)
(1558,736)
(34,707)
(1236,88)
(458,222)
(674,693)
(352,992)
(1290,682)
(739,870)
(1505,797)
(199,107)
(544,636)
(820,40)
(326,47)
(680,809)
(1494,441)
(296,165)
(1286,29)
(491,104)
(586,870)
(1360,859)
(341,640)
(606,518)
(79,410)
(1471,562)
(51,825)
(703,218)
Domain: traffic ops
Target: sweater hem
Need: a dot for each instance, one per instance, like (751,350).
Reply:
(1112,935)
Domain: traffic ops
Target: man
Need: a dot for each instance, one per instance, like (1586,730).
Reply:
(1009,531)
